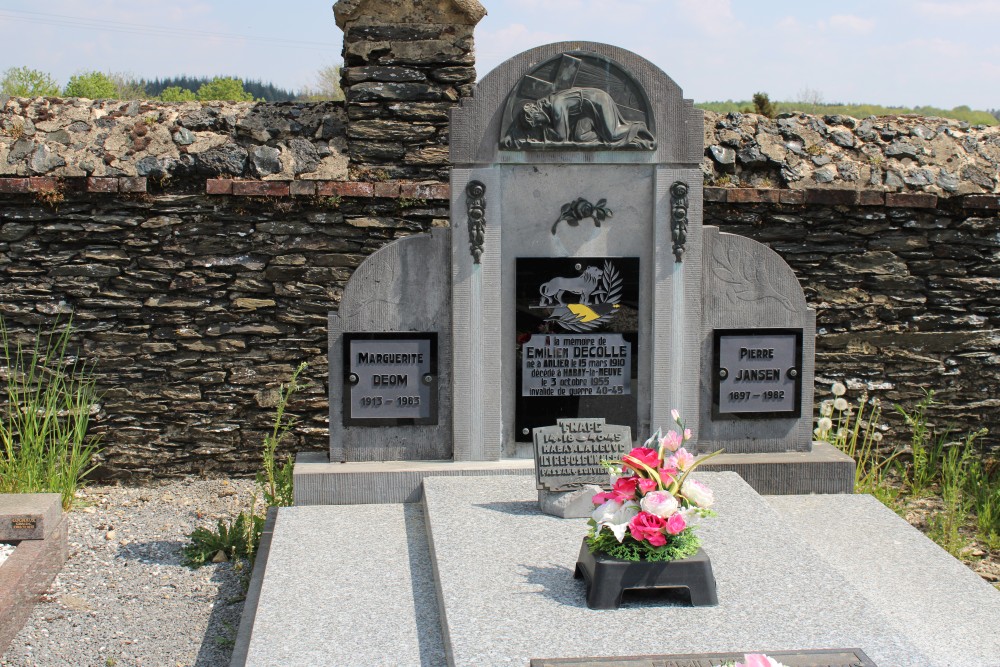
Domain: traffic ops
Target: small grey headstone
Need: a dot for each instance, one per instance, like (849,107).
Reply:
(568,470)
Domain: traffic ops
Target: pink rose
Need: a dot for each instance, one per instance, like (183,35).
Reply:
(676,523)
(682,459)
(667,475)
(671,441)
(639,456)
(648,527)
(647,485)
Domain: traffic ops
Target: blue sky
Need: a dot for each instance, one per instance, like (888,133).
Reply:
(910,52)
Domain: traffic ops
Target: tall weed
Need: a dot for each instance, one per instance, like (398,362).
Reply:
(855,430)
(240,537)
(49,397)
(927,445)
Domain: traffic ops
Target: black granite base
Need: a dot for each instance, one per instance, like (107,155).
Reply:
(607,578)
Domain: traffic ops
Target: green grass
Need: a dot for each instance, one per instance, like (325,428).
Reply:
(239,538)
(48,397)
(961,113)
(932,465)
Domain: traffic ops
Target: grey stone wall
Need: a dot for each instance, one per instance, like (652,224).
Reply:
(907,299)
(894,153)
(192,309)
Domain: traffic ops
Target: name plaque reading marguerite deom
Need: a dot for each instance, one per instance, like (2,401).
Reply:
(757,373)
(569,455)
(390,379)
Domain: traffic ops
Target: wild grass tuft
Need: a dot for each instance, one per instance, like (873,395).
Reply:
(49,397)
(240,537)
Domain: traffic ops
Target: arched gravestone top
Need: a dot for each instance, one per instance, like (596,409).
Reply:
(642,92)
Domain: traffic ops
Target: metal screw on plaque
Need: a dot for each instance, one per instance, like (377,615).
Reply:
(524,431)
(792,373)
(723,373)
(578,267)
(428,379)
(353,378)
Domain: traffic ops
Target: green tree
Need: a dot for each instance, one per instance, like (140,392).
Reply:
(177,94)
(127,87)
(92,85)
(224,88)
(327,86)
(26,82)
(762,105)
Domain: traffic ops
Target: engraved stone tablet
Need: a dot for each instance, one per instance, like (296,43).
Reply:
(757,373)
(390,379)
(568,455)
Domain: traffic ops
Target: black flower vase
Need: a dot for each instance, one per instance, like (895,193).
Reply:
(608,577)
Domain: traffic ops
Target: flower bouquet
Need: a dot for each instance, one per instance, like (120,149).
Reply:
(650,512)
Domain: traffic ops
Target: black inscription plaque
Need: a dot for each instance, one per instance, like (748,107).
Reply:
(569,455)
(757,373)
(577,340)
(390,379)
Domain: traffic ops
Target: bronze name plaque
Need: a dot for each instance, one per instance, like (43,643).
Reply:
(23,523)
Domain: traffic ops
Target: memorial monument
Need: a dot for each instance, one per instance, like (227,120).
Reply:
(577,282)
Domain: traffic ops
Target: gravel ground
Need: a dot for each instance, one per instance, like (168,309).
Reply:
(123,599)
(6,549)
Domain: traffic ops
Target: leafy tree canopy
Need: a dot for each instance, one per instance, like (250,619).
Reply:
(92,85)
(224,88)
(260,91)
(177,94)
(27,82)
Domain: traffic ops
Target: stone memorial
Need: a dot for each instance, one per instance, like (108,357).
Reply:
(577,282)
(568,463)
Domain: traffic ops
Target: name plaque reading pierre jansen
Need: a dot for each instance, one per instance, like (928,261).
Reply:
(390,379)
(569,455)
(757,373)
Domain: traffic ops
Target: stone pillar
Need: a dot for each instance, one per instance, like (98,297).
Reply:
(406,63)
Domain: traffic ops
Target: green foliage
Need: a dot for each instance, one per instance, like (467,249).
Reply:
(177,94)
(127,87)
(275,482)
(240,538)
(48,399)
(858,110)
(327,86)
(857,434)
(267,92)
(92,85)
(27,82)
(762,105)
(682,545)
(223,88)
(927,445)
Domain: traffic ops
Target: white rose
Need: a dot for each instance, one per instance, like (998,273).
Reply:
(697,493)
(660,503)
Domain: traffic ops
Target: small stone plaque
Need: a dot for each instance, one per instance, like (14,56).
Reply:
(23,523)
(568,455)
(390,379)
(757,373)
(847,657)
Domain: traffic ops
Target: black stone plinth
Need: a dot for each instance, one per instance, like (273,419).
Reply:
(607,578)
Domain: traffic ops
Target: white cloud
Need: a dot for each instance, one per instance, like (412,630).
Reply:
(959,9)
(851,24)
(711,17)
